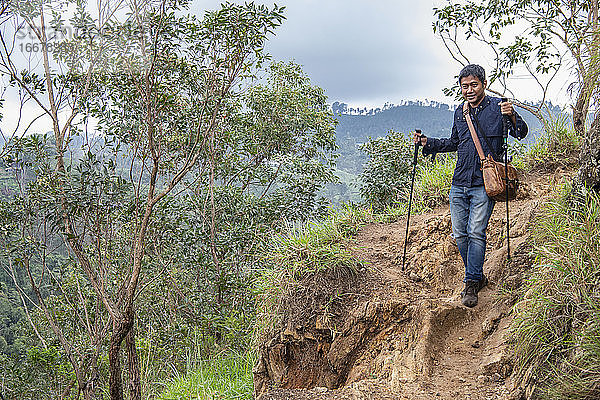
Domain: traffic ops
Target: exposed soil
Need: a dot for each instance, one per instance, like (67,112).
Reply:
(390,333)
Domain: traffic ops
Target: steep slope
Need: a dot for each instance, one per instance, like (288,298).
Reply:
(394,334)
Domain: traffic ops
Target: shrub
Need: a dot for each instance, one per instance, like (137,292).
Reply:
(386,176)
(556,330)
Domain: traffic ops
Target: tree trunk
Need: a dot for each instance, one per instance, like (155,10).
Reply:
(122,327)
(579,116)
(133,361)
(582,105)
(115,383)
(589,169)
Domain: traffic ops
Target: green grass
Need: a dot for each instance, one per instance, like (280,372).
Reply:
(304,252)
(432,186)
(556,330)
(316,246)
(302,260)
(219,378)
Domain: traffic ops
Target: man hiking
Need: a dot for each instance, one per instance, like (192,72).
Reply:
(470,206)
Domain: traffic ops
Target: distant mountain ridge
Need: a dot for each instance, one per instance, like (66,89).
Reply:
(433,118)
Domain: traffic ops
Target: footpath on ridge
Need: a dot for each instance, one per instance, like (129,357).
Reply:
(393,334)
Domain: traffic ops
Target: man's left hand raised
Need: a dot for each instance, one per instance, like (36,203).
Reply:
(506,108)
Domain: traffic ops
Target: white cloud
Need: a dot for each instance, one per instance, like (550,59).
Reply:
(363,51)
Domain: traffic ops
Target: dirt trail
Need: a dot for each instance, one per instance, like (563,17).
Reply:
(397,334)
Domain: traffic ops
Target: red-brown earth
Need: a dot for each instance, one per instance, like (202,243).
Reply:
(388,333)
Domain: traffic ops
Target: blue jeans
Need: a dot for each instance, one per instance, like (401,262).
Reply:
(470,211)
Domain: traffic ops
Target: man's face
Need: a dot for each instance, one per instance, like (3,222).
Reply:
(473,90)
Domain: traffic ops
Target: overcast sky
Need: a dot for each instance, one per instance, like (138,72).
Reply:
(363,52)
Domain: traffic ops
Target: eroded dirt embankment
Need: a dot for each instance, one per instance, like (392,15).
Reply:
(394,334)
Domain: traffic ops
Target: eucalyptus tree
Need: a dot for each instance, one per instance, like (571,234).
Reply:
(154,81)
(274,152)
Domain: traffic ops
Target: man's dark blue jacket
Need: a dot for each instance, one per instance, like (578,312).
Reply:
(487,120)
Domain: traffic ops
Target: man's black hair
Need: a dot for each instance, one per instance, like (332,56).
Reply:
(472,70)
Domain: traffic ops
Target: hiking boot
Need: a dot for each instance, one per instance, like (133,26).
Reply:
(469,295)
(472,287)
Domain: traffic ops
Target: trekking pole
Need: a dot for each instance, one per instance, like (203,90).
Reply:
(412,185)
(505,126)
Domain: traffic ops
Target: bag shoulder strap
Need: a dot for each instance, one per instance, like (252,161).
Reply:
(485,138)
(467,116)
